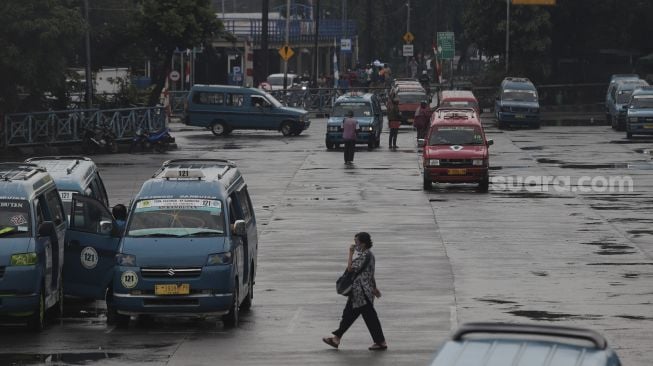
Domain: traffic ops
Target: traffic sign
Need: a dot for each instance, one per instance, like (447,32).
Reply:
(408,37)
(408,50)
(446,45)
(345,45)
(174,75)
(286,52)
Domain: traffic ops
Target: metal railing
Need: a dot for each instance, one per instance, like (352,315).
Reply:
(65,127)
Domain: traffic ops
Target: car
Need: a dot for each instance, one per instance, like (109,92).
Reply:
(73,175)
(513,344)
(408,100)
(275,81)
(32,233)
(620,96)
(224,108)
(190,245)
(517,103)
(455,150)
(459,99)
(608,95)
(368,113)
(639,115)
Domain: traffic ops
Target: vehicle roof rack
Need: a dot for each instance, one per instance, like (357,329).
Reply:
(69,169)
(14,171)
(518,79)
(532,329)
(218,167)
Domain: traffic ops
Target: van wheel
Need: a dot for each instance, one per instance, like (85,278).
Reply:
(329,145)
(231,318)
(629,135)
(377,143)
(371,144)
(113,317)
(246,305)
(36,321)
(484,185)
(427,184)
(286,129)
(219,128)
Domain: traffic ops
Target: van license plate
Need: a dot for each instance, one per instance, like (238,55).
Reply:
(648,126)
(520,116)
(456,171)
(172,289)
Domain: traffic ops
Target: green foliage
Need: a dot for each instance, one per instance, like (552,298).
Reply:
(35,38)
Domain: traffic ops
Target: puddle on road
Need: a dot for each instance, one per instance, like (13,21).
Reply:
(540,273)
(551,316)
(549,161)
(634,317)
(524,194)
(644,151)
(611,248)
(66,358)
(621,264)
(596,166)
(634,140)
(496,301)
(527,148)
(630,275)
(638,233)
(231,147)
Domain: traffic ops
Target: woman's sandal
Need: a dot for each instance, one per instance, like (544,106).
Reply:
(331,342)
(378,347)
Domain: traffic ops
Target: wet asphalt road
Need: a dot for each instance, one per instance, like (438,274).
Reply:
(518,254)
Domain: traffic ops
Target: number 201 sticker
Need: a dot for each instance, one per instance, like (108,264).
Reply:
(89,257)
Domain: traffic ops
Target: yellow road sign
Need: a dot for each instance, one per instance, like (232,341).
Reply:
(408,37)
(286,52)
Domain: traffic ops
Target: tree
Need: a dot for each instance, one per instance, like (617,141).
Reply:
(35,38)
(166,25)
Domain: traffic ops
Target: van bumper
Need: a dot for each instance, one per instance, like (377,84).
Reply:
(519,118)
(454,175)
(361,137)
(211,293)
(640,128)
(19,287)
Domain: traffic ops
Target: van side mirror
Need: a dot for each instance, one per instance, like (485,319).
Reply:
(106,227)
(490,142)
(46,228)
(239,228)
(420,142)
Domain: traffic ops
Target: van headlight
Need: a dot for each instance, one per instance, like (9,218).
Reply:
(367,128)
(332,128)
(432,162)
(24,259)
(219,258)
(478,162)
(123,259)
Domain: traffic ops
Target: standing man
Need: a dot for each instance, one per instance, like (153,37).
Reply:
(349,127)
(394,122)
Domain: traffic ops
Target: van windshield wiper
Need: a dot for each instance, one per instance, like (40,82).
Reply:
(158,235)
(205,233)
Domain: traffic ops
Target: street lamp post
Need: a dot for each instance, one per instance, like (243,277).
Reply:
(87,44)
(507,33)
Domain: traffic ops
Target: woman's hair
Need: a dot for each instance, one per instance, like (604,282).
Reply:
(365,238)
(119,212)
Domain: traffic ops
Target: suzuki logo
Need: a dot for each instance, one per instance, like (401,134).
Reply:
(171,272)
(456,147)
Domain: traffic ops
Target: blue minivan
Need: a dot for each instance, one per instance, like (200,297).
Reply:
(639,119)
(517,103)
(224,108)
(32,230)
(190,245)
(368,113)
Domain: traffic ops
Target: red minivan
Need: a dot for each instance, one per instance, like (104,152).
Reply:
(455,150)
(459,99)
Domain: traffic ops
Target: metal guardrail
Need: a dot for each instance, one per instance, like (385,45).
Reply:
(62,127)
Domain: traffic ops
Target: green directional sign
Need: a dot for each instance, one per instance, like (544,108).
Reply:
(446,45)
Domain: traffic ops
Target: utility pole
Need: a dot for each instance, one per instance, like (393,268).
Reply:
(408,17)
(87,43)
(285,62)
(316,53)
(265,59)
(343,56)
(507,33)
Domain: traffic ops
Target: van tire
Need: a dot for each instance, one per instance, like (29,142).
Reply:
(219,128)
(329,145)
(286,128)
(246,305)
(113,317)
(484,185)
(36,321)
(629,135)
(427,184)
(231,318)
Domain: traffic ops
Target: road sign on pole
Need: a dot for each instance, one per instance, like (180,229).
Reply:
(408,50)
(446,45)
(408,37)
(286,52)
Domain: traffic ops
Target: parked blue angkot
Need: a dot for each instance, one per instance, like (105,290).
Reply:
(503,344)
(619,101)
(517,103)
(640,112)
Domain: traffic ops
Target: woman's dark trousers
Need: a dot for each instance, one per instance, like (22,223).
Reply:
(392,140)
(350,147)
(349,315)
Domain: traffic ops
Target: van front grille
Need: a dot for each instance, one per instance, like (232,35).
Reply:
(171,272)
(455,162)
(171,302)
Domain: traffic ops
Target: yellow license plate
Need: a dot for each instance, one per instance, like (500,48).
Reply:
(648,126)
(172,289)
(456,171)
(520,116)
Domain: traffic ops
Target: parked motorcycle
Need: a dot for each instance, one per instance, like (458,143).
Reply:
(144,140)
(99,138)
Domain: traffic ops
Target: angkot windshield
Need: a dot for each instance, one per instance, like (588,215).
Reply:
(645,101)
(519,95)
(359,109)
(14,218)
(177,217)
(456,135)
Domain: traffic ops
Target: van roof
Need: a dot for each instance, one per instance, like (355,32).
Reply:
(643,90)
(448,94)
(457,116)
(23,180)
(517,83)
(630,84)
(355,97)
(217,87)
(69,172)
(207,178)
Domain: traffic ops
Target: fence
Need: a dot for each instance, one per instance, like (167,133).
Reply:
(61,127)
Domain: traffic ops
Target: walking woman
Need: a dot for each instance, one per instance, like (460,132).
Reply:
(361,297)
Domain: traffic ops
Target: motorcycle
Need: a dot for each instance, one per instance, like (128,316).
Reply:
(159,141)
(99,138)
